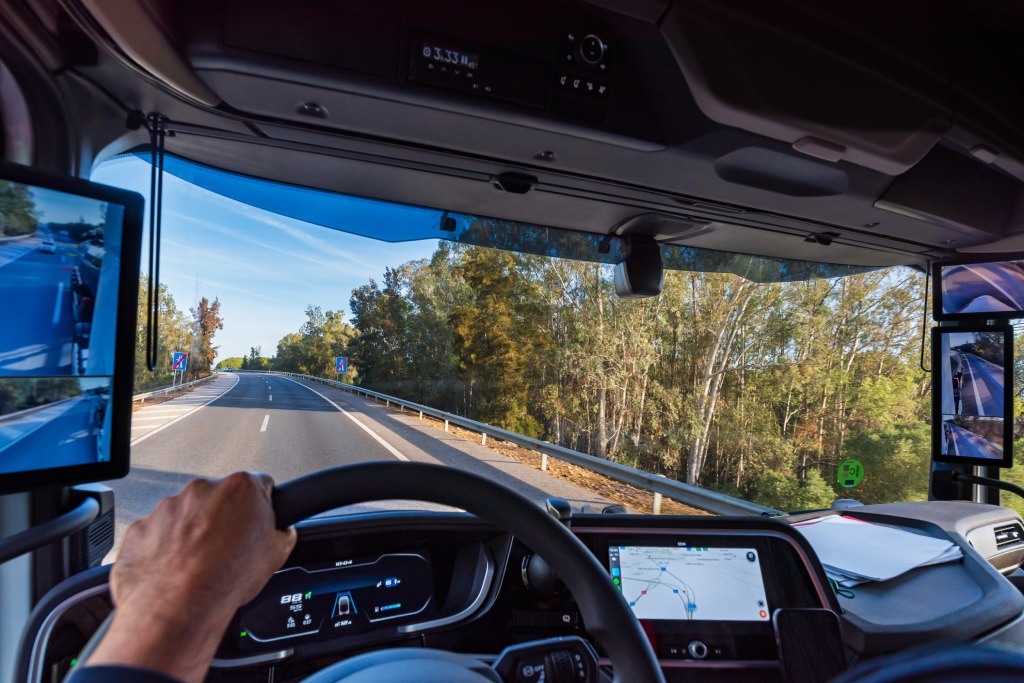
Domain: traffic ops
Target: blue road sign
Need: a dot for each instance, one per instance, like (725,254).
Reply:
(341,364)
(180,359)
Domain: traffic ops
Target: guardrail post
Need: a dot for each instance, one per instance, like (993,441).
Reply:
(544,462)
(421,416)
(446,425)
(387,403)
(483,439)
(656,505)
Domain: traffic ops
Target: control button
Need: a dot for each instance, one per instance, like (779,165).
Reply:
(530,671)
(592,49)
(697,649)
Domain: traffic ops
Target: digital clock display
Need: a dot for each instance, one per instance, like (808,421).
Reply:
(442,54)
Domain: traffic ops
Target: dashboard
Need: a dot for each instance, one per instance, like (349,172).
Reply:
(726,596)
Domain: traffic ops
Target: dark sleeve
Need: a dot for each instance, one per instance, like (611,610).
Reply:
(121,674)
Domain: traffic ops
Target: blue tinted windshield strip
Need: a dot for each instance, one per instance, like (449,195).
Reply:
(754,268)
(391,222)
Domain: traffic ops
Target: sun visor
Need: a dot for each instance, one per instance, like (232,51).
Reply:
(393,222)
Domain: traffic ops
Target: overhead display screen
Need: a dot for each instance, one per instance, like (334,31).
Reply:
(979,291)
(971,395)
(691,583)
(69,252)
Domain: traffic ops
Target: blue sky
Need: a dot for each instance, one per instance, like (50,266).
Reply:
(265,268)
(60,207)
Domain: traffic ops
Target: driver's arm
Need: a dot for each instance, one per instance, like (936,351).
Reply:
(183,571)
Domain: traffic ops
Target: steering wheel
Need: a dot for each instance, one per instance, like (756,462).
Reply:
(607,616)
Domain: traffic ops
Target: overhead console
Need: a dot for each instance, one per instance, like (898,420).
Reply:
(533,57)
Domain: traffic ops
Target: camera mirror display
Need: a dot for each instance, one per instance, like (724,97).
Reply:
(979,291)
(61,253)
(972,395)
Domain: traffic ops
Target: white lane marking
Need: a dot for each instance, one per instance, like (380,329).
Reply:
(179,419)
(271,397)
(980,272)
(391,449)
(56,304)
(974,386)
(266,419)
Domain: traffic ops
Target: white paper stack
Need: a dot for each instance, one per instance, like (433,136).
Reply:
(853,551)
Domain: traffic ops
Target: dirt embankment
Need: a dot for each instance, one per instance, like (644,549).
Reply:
(637,500)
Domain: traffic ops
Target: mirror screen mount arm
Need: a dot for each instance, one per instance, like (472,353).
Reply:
(156,125)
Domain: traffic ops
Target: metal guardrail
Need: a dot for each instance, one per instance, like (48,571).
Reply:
(141,398)
(717,503)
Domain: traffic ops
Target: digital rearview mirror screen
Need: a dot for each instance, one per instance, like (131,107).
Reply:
(972,395)
(60,281)
(979,291)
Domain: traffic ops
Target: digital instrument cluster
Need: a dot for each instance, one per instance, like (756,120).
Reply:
(346,597)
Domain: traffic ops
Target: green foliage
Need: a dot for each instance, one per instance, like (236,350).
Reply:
(784,491)
(18,214)
(25,393)
(175,335)
(1014,475)
(493,340)
(233,363)
(313,349)
(896,459)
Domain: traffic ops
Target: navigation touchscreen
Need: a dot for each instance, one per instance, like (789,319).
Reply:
(690,583)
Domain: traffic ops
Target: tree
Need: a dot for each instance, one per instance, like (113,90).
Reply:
(380,315)
(233,363)
(313,349)
(18,215)
(495,336)
(206,321)
(175,334)
(255,359)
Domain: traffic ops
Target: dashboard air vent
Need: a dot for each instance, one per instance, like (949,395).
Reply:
(1009,535)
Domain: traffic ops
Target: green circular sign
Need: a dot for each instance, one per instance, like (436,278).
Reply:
(850,473)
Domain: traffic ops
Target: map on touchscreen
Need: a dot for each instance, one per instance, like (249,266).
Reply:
(690,583)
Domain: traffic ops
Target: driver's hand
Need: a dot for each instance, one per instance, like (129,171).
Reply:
(184,570)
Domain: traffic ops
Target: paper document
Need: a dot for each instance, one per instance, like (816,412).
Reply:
(853,551)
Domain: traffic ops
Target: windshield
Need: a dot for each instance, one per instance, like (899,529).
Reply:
(789,394)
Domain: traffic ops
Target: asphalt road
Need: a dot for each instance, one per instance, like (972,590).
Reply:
(35,291)
(969,445)
(289,428)
(982,392)
(65,432)
(982,288)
